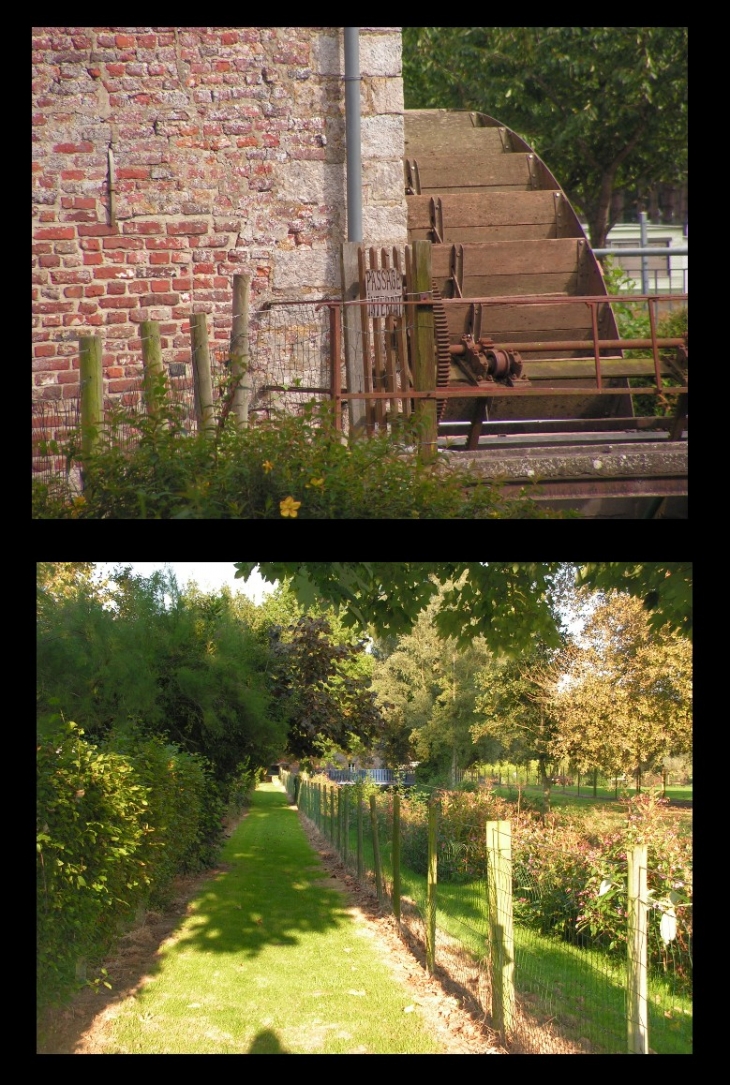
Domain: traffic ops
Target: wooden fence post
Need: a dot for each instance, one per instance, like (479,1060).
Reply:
(346,824)
(239,348)
(636,939)
(92,393)
(149,333)
(499,887)
(202,385)
(396,857)
(359,833)
(424,366)
(376,849)
(433,812)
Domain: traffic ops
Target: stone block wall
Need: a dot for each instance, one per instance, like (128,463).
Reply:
(228,148)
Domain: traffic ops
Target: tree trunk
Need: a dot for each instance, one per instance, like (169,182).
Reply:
(545,780)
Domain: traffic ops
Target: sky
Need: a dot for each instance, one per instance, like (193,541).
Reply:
(209,575)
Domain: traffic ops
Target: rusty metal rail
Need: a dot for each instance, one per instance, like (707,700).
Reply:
(489,389)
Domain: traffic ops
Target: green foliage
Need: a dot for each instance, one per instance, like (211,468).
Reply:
(319,690)
(92,825)
(115,826)
(605,107)
(289,467)
(185,665)
(603,899)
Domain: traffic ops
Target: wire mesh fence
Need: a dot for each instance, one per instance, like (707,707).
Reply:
(548,943)
(289,351)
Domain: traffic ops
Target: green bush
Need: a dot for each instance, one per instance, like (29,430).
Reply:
(284,468)
(115,826)
(91,825)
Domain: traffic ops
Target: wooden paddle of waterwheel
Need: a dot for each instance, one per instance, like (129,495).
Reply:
(511,257)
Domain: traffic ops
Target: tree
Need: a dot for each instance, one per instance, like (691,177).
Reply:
(515,708)
(323,699)
(604,106)
(624,702)
(427,690)
(144,655)
(511,604)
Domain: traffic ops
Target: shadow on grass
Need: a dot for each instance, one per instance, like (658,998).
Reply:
(269,892)
(266,891)
(267,1043)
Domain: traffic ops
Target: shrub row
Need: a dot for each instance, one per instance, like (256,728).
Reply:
(115,825)
(569,874)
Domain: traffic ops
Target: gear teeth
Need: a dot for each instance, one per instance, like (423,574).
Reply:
(443,354)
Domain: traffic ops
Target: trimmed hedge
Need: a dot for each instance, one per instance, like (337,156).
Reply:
(114,827)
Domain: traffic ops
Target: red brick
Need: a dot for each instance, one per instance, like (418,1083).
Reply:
(110,273)
(161,286)
(72,175)
(124,41)
(52,307)
(50,261)
(79,216)
(88,307)
(133,173)
(94,291)
(159,299)
(70,276)
(122,243)
(55,233)
(123,385)
(230,37)
(73,148)
(44,350)
(84,201)
(114,371)
(176,228)
(93,258)
(117,303)
(115,317)
(143,227)
(165,243)
(156,258)
(116,288)
(115,69)
(73,291)
(97,231)
(54,366)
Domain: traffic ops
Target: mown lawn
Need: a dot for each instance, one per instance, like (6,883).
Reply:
(270,962)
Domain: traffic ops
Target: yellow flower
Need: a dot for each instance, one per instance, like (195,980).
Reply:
(314,482)
(289,506)
(267,465)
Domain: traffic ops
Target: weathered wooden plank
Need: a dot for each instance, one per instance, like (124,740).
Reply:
(524,322)
(490,286)
(485,209)
(489,233)
(512,258)
(441,173)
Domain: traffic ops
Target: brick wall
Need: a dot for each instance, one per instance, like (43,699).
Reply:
(229,153)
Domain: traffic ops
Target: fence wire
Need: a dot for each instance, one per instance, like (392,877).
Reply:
(289,351)
(569,954)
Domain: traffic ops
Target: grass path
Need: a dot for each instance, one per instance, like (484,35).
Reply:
(270,961)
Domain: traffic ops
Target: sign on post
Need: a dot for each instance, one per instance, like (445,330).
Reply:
(384,291)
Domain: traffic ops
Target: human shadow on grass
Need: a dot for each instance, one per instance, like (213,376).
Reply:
(265,891)
(267,1043)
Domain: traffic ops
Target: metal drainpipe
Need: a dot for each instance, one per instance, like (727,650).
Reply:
(352,134)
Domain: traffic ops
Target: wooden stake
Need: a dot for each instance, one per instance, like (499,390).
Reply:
(202,385)
(92,393)
(240,360)
(424,375)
